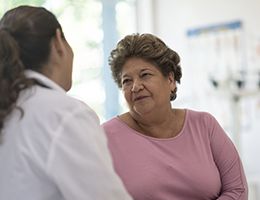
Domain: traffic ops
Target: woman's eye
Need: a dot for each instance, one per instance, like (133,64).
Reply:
(125,81)
(145,74)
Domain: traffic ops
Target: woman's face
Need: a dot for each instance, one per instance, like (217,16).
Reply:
(144,86)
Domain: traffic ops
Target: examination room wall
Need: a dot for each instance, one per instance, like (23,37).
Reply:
(221,65)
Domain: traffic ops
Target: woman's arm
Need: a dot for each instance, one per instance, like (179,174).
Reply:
(234,184)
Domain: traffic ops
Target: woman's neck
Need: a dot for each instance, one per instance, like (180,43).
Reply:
(166,125)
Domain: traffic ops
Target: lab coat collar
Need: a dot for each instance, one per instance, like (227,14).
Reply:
(43,80)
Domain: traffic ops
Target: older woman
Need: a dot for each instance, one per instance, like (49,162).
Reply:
(160,152)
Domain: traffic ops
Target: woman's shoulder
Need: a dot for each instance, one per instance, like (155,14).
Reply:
(111,123)
(115,124)
(200,119)
(42,102)
(199,115)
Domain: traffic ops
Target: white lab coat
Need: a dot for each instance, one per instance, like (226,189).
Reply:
(56,150)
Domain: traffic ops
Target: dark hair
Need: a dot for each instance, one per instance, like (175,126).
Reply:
(25,36)
(150,48)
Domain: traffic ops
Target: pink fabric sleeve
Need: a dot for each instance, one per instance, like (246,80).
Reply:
(234,184)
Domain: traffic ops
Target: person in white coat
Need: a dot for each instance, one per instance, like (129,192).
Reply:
(52,146)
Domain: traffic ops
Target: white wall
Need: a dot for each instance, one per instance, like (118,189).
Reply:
(170,19)
(174,17)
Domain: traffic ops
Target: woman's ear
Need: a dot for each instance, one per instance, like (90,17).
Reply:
(172,81)
(59,43)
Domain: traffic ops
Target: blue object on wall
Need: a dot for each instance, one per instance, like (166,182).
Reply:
(216,27)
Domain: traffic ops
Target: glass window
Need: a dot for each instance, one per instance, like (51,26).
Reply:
(82,23)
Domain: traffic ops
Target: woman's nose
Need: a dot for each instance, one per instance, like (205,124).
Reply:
(137,86)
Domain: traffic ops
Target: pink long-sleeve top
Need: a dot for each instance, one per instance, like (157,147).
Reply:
(200,163)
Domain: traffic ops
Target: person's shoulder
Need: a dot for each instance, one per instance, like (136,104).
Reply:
(51,95)
(201,122)
(111,123)
(201,118)
(60,98)
(199,115)
(48,100)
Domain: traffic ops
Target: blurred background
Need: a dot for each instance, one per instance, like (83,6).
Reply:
(219,45)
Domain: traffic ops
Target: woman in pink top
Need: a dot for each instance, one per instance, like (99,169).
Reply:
(160,152)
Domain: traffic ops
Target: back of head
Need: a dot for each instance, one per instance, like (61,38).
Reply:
(25,36)
(32,29)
